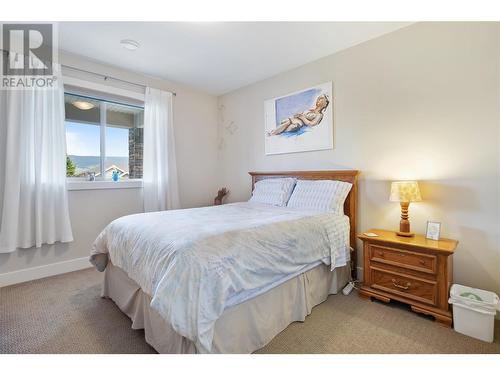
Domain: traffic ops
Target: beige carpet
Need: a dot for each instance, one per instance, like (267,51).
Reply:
(64,314)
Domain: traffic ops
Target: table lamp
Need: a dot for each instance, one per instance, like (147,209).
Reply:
(405,192)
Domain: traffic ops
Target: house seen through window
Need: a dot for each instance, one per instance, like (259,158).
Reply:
(104,139)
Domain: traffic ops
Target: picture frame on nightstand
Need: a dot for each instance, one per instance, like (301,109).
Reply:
(433,230)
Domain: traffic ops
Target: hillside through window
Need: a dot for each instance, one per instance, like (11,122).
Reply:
(104,139)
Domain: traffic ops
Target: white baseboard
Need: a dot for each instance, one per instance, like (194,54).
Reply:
(40,272)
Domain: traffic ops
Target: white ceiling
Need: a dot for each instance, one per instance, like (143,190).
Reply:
(212,56)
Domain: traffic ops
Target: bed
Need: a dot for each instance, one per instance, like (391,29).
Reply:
(233,276)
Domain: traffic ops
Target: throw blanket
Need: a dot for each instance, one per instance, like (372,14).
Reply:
(191,262)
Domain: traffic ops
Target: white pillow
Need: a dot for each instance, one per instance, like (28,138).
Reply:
(320,195)
(274,191)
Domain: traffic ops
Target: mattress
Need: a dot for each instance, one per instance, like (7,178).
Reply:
(195,263)
(242,328)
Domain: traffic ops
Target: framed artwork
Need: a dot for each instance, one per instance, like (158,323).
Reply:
(433,230)
(300,121)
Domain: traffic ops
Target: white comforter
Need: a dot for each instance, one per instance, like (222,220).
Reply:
(192,262)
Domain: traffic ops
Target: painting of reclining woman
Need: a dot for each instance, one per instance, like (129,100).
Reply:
(301,121)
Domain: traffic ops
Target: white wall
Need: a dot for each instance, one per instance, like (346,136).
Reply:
(420,103)
(195,122)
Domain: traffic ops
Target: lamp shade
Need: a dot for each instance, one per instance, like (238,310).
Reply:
(405,191)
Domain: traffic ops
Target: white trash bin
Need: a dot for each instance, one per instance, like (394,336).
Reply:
(474,311)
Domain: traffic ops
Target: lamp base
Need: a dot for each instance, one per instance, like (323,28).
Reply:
(405,234)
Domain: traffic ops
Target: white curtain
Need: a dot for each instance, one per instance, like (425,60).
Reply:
(159,169)
(34,208)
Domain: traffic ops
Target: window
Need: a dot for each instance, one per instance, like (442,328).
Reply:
(104,138)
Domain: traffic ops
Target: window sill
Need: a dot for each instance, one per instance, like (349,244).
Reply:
(103,185)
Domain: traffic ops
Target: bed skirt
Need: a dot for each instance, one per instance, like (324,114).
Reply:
(242,328)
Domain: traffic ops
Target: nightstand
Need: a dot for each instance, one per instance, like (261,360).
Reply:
(413,270)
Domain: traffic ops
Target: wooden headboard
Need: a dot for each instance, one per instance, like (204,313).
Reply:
(350,204)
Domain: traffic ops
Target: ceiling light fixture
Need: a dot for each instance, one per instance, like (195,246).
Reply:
(130,44)
(80,104)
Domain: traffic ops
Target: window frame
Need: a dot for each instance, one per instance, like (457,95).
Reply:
(72,86)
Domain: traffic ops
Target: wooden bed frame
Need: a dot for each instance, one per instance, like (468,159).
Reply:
(350,204)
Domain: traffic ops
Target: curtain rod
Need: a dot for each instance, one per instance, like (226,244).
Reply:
(106,77)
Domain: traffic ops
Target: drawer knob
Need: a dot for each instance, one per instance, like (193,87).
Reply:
(422,262)
(397,285)
(381,254)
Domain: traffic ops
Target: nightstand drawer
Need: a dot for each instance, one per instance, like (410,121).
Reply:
(406,286)
(402,258)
